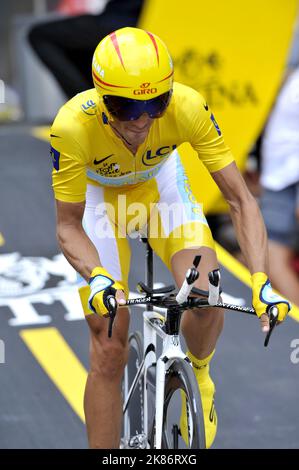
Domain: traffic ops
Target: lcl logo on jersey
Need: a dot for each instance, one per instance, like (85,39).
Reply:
(89,105)
(149,157)
(145,90)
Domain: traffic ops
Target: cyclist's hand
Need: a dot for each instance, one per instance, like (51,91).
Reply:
(101,286)
(263,296)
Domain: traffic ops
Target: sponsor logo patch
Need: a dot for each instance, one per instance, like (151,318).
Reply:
(109,170)
(97,162)
(152,158)
(55,158)
(97,67)
(215,124)
(145,90)
(89,106)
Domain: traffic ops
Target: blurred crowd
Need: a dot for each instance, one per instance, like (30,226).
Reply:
(65,46)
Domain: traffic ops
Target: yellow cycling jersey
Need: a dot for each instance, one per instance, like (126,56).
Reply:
(85,148)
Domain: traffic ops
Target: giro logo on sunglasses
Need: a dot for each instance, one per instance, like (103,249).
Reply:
(145,90)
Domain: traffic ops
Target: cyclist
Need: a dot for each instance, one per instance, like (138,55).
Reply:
(115,150)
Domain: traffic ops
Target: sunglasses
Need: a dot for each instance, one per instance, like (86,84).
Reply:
(127,109)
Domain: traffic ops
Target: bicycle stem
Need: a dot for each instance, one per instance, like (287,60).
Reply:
(173,320)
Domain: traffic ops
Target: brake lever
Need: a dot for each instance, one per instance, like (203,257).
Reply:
(112,307)
(273,317)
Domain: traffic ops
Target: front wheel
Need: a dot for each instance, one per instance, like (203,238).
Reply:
(180,382)
(133,421)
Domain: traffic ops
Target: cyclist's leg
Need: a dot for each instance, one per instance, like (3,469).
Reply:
(102,401)
(109,356)
(180,238)
(201,330)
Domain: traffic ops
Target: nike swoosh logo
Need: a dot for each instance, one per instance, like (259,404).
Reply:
(206,107)
(53,135)
(97,162)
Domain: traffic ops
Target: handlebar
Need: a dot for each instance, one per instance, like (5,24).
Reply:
(181,301)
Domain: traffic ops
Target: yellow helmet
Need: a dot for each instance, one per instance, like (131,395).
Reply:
(132,63)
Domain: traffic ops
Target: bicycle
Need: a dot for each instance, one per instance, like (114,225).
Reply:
(150,383)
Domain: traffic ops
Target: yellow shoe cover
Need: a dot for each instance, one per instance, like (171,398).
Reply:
(207,392)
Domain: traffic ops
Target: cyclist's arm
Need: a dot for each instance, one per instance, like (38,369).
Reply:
(246,217)
(74,243)
(207,139)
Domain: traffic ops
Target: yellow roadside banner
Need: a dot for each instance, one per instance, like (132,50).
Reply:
(235,55)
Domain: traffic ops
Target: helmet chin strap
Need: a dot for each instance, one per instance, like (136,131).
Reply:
(119,134)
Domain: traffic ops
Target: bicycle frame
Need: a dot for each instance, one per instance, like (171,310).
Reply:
(171,350)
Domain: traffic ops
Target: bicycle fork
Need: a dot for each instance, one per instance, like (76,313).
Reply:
(150,358)
(171,351)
